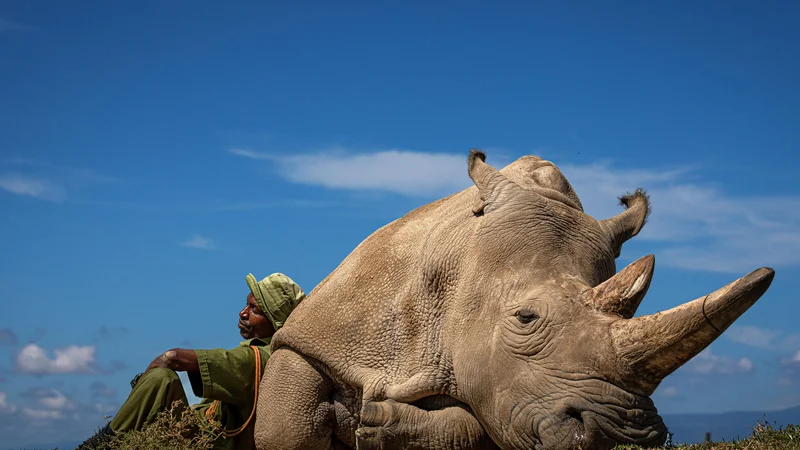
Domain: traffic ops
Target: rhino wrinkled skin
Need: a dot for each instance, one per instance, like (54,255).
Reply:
(491,318)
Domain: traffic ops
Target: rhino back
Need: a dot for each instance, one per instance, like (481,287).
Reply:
(379,314)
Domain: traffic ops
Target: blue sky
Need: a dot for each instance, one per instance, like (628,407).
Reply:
(154,153)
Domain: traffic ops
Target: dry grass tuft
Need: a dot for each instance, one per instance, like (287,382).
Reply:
(177,428)
(765,437)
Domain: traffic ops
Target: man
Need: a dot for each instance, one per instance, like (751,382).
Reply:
(225,379)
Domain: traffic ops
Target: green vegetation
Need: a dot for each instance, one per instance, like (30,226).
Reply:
(765,436)
(177,428)
(182,429)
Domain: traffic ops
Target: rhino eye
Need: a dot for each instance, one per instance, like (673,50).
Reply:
(526,316)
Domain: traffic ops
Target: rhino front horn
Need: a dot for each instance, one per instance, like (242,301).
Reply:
(654,346)
(621,294)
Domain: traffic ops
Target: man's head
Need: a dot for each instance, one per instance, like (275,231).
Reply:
(269,304)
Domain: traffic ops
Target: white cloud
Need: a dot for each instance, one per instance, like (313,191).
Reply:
(669,392)
(51,415)
(32,186)
(52,399)
(707,363)
(399,171)
(763,338)
(752,336)
(793,360)
(33,359)
(699,226)
(49,402)
(5,406)
(198,241)
(790,368)
(105,408)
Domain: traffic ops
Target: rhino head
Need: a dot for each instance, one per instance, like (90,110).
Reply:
(549,354)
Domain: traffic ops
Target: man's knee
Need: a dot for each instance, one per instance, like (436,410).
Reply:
(155,392)
(159,377)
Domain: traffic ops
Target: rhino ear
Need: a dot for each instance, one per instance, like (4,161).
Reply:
(488,179)
(628,223)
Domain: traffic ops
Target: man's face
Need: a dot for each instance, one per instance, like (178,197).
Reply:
(252,321)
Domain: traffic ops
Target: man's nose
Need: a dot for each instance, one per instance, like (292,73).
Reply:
(243,313)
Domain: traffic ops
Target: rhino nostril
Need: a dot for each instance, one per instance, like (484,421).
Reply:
(571,414)
(575,415)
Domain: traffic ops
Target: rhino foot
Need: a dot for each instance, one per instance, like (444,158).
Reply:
(373,438)
(378,427)
(390,424)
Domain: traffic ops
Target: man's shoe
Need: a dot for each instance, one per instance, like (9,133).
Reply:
(99,441)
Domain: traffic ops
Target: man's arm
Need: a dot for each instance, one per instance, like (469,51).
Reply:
(177,359)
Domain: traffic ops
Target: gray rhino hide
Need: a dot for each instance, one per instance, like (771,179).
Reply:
(492,317)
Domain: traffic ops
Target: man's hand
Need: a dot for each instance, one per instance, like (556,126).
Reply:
(177,359)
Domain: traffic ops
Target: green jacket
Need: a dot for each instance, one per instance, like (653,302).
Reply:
(229,377)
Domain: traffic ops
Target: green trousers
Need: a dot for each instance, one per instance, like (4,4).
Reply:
(155,392)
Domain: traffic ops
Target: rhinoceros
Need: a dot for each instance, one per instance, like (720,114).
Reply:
(493,317)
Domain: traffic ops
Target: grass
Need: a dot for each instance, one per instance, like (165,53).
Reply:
(177,428)
(765,436)
(182,429)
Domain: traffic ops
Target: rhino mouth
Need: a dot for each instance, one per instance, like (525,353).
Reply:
(584,424)
(577,422)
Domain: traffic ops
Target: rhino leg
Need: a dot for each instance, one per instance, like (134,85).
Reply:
(293,409)
(389,424)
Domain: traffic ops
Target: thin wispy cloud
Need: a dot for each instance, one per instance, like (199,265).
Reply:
(46,181)
(669,391)
(100,389)
(707,363)
(8,26)
(247,153)
(276,204)
(790,367)
(32,186)
(77,175)
(5,406)
(763,338)
(199,242)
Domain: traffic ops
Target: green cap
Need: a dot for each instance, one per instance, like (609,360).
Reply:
(277,296)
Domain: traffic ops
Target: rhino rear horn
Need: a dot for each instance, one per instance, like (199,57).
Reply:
(490,181)
(621,294)
(628,223)
(654,346)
